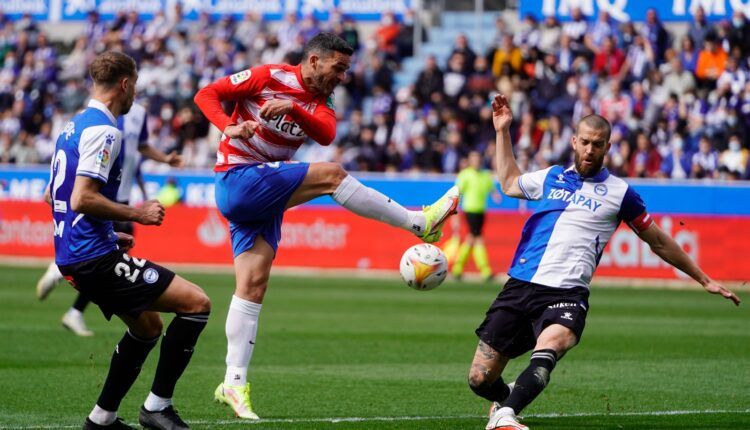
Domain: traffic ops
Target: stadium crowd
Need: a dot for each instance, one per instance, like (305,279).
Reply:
(680,108)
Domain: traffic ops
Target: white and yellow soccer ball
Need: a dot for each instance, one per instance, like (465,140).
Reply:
(423,266)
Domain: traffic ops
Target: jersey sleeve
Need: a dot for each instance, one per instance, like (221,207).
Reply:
(98,148)
(319,126)
(532,184)
(633,211)
(241,85)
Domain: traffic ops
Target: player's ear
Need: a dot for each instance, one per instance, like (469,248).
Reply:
(314,60)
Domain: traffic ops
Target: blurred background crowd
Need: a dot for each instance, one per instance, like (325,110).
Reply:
(679,104)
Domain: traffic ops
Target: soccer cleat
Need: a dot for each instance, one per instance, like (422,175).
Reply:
(166,419)
(508,422)
(436,214)
(73,321)
(238,397)
(48,281)
(118,424)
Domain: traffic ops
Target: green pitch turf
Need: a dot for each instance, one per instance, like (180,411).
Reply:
(365,354)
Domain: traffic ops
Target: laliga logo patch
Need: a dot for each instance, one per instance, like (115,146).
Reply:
(150,275)
(240,77)
(600,189)
(103,156)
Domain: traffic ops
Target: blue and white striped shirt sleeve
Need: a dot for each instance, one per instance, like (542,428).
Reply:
(532,184)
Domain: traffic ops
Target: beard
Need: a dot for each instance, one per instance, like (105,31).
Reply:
(588,170)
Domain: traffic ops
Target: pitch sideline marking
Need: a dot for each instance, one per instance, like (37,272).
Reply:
(412,418)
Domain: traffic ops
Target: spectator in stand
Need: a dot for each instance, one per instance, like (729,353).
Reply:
(732,81)
(678,80)
(657,35)
(705,162)
(386,34)
(506,53)
(677,164)
(699,27)
(734,159)
(739,34)
(645,161)
(689,54)
(602,30)
(639,61)
(550,34)
(576,28)
(711,61)
(454,79)
(616,104)
(429,81)
(608,59)
(462,47)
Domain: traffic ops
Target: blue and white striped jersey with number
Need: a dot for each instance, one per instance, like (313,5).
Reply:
(89,145)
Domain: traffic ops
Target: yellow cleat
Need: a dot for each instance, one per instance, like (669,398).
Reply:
(437,213)
(238,397)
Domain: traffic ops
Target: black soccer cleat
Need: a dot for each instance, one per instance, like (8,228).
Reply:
(166,419)
(119,424)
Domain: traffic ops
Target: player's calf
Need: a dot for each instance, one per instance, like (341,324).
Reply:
(532,381)
(494,391)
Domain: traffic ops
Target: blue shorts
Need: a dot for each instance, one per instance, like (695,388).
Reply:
(253,199)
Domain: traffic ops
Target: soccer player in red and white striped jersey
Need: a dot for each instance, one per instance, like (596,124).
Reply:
(277,107)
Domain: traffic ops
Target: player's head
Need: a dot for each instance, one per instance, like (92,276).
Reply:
(325,60)
(115,73)
(591,144)
(475,160)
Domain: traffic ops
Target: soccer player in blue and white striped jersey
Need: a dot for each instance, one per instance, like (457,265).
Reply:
(543,305)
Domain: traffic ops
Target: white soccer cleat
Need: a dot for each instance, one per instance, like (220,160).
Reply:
(73,321)
(238,397)
(48,281)
(504,419)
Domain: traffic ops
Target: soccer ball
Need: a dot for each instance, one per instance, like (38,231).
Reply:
(423,266)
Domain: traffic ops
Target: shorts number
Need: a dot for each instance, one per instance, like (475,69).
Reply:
(123,269)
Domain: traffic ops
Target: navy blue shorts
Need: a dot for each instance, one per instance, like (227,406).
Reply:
(253,199)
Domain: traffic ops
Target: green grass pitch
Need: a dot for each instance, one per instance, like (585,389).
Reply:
(364,354)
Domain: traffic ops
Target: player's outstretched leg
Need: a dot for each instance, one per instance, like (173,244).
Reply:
(192,308)
(73,318)
(253,268)
(130,353)
(48,281)
(332,179)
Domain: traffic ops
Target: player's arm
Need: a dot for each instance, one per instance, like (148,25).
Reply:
(47,196)
(507,169)
(244,84)
(319,126)
(98,149)
(173,158)
(88,200)
(670,251)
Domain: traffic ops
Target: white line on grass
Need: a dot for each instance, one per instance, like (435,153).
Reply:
(334,420)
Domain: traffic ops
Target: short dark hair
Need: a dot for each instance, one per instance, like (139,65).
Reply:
(108,68)
(325,44)
(597,122)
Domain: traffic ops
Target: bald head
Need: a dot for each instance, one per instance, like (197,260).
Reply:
(595,122)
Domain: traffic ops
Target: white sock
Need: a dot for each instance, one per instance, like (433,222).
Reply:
(75,313)
(155,403)
(241,328)
(102,417)
(370,203)
(54,272)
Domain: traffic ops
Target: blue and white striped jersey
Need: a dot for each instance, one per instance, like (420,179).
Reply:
(564,238)
(89,145)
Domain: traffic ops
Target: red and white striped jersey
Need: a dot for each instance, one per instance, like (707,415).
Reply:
(276,139)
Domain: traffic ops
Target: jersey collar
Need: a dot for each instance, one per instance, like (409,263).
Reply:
(599,177)
(96,104)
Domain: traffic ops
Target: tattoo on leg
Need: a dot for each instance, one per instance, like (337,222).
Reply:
(487,352)
(481,369)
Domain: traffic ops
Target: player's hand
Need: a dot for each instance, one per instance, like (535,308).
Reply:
(151,213)
(174,159)
(246,130)
(714,287)
(275,107)
(501,113)
(125,241)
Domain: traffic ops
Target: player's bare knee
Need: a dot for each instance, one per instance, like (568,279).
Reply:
(333,174)
(200,303)
(148,327)
(478,377)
